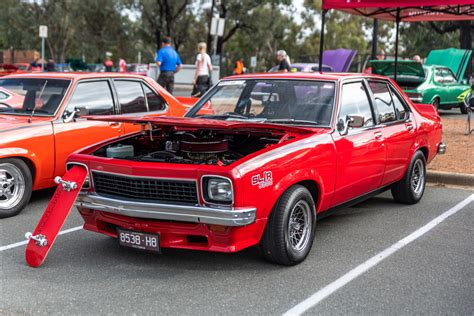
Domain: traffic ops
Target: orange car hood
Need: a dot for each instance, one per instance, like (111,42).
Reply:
(14,122)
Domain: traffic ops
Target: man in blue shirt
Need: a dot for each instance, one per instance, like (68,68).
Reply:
(169,62)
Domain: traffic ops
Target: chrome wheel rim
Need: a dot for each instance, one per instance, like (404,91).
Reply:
(299,226)
(418,177)
(12,186)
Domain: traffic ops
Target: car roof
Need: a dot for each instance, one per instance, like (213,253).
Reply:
(74,75)
(333,76)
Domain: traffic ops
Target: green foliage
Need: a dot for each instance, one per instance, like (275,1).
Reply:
(420,39)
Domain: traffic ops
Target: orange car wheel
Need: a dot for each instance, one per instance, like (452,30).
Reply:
(15,186)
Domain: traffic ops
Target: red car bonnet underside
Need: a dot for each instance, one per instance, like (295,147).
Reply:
(200,123)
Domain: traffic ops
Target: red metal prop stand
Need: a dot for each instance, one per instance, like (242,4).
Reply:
(54,216)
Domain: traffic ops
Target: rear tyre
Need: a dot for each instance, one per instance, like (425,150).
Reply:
(411,187)
(435,103)
(15,186)
(289,233)
(463,108)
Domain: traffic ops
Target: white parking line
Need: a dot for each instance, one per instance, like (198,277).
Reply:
(329,289)
(24,242)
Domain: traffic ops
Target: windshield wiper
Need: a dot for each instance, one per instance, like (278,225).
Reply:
(224,116)
(291,121)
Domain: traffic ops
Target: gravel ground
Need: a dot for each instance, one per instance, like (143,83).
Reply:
(460,153)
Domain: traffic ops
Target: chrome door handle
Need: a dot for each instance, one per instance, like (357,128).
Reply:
(378,135)
(409,127)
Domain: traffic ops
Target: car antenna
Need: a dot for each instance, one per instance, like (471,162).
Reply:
(34,103)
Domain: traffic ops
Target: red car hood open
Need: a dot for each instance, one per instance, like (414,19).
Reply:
(201,123)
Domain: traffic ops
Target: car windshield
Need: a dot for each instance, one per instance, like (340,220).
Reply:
(27,96)
(296,102)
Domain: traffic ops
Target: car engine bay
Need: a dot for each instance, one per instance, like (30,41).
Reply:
(208,147)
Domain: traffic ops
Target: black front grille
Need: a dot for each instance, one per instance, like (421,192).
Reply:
(145,189)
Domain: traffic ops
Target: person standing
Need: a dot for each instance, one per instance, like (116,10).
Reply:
(108,64)
(122,65)
(169,63)
(202,76)
(50,66)
(283,61)
(239,67)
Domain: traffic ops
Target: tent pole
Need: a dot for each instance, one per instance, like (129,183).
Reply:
(321,42)
(396,45)
(374,39)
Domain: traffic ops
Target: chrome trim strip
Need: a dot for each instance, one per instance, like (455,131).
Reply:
(240,216)
(88,173)
(216,203)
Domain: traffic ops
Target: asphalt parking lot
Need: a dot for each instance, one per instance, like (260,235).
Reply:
(87,273)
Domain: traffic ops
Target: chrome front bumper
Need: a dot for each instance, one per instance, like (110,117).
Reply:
(416,99)
(239,216)
(442,148)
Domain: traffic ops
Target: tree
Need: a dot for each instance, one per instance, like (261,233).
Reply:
(61,18)
(16,31)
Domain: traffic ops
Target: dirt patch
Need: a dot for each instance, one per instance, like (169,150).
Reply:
(459,155)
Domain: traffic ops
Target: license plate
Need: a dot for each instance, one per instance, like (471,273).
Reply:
(142,241)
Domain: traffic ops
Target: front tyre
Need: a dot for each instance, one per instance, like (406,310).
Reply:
(289,233)
(411,187)
(463,108)
(15,186)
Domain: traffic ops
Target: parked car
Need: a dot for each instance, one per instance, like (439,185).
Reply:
(304,67)
(6,69)
(41,123)
(137,69)
(23,66)
(257,160)
(439,81)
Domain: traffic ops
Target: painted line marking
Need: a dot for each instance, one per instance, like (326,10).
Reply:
(24,242)
(329,289)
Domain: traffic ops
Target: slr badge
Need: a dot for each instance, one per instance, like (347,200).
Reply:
(263,180)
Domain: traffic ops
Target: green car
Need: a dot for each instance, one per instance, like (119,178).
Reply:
(439,81)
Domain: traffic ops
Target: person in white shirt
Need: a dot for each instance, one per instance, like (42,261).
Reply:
(202,78)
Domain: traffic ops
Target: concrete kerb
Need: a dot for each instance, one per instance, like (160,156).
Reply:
(443,177)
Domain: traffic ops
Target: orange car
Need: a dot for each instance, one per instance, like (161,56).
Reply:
(41,124)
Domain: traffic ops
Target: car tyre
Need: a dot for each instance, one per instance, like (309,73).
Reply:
(411,187)
(15,186)
(435,103)
(289,233)
(463,108)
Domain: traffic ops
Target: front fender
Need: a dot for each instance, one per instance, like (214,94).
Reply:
(15,152)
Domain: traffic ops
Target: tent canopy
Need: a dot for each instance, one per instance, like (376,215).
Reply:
(400,11)
(410,10)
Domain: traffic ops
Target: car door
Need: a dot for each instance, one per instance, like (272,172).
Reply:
(454,89)
(361,152)
(96,96)
(398,128)
(442,89)
(137,99)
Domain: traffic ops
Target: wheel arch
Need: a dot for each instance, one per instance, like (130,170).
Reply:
(424,150)
(28,158)
(313,187)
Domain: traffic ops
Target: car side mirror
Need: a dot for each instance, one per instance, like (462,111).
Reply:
(78,112)
(352,120)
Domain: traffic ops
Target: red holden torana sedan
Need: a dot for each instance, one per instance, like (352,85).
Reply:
(257,161)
